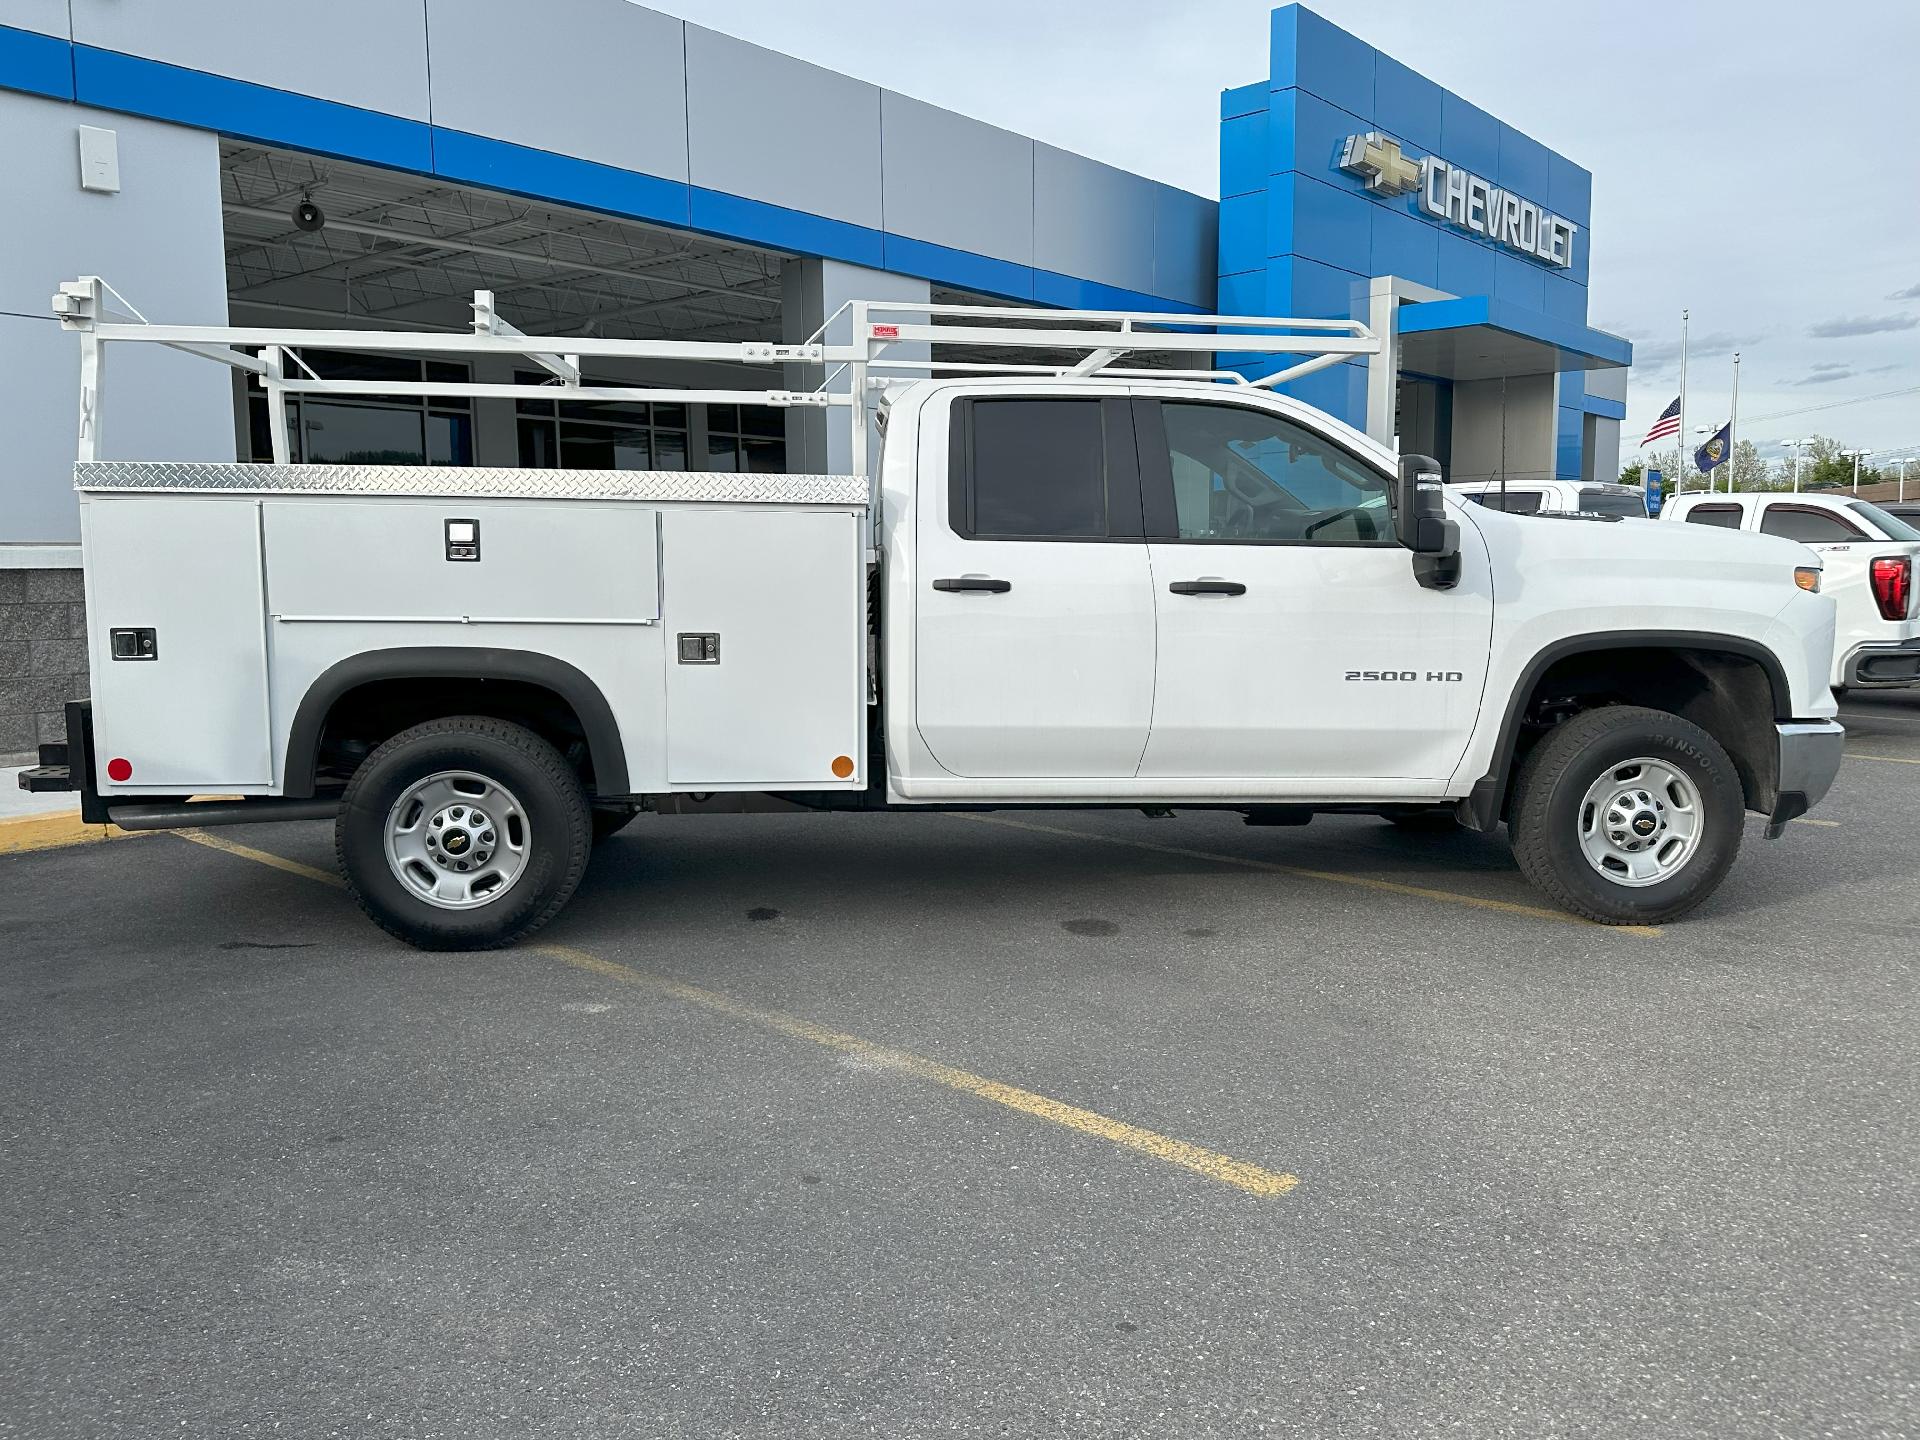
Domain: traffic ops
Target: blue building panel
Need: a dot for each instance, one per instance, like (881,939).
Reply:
(1519,282)
(1305,133)
(1308,217)
(1244,100)
(1570,190)
(38,64)
(1406,246)
(1243,233)
(1526,166)
(1469,136)
(1407,105)
(1244,152)
(1297,285)
(962,269)
(1570,443)
(498,165)
(1564,299)
(1319,57)
(1466,266)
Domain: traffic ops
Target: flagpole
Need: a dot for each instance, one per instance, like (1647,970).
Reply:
(1680,465)
(1733,419)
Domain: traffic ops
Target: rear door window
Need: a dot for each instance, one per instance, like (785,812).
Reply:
(1727,517)
(1041,468)
(1808,525)
(1612,502)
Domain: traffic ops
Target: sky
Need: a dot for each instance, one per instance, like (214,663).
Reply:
(1755,162)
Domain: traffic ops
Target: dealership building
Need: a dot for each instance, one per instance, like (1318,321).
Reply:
(628,174)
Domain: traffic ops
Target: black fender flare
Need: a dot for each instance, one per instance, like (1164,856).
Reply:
(1489,794)
(452,662)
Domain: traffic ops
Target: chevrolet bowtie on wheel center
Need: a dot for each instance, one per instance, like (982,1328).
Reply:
(1063,582)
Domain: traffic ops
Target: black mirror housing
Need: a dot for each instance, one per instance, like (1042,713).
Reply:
(1421,523)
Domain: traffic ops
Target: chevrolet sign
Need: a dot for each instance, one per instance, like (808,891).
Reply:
(1460,198)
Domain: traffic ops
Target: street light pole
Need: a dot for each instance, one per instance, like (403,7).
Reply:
(1903,462)
(1856,456)
(1795,446)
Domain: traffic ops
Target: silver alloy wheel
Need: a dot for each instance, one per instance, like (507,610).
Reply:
(1641,822)
(457,839)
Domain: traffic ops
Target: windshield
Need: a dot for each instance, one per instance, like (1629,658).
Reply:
(1891,526)
(1613,502)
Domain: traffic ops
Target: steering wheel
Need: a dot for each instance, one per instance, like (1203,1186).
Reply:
(1326,520)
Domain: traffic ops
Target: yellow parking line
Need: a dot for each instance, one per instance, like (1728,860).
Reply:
(53,831)
(1419,892)
(1890,759)
(1210,1163)
(278,862)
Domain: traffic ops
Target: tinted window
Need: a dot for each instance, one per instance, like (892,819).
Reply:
(1037,469)
(1814,527)
(1725,516)
(1244,474)
(1612,502)
(1514,502)
(1885,521)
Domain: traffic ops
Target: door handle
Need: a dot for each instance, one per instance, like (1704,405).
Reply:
(975,582)
(1207,587)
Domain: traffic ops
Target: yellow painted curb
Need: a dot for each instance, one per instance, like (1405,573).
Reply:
(53,832)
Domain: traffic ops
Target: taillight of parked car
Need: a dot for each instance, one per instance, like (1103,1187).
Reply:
(1892,577)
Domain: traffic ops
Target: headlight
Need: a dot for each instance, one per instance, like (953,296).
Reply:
(1807,577)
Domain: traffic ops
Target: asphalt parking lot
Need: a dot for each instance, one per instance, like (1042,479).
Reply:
(928,1125)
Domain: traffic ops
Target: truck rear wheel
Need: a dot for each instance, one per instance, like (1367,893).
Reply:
(463,834)
(1626,815)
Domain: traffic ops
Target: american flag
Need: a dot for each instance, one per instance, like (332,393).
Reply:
(1667,424)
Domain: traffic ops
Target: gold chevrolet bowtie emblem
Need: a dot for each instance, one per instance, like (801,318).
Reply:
(1379,159)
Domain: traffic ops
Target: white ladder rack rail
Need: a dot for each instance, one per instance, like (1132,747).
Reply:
(876,328)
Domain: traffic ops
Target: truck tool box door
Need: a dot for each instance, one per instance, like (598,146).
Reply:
(1294,641)
(180,580)
(1033,640)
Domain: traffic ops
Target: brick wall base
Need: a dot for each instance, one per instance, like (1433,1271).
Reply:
(43,658)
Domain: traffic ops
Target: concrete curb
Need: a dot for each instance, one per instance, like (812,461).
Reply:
(56,831)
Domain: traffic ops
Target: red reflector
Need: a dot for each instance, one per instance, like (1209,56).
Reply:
(119,771)
(1892,579)
(886,332)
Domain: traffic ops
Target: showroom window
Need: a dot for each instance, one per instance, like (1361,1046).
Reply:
(746,438)
(600,434)
(369,429)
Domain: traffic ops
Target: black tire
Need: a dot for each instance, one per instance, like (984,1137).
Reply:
(1548,795)
(610,820)
(559,831)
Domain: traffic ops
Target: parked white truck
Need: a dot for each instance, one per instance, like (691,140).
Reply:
(1066,584)
(1867,559)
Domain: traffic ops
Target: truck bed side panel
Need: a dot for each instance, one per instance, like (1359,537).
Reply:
(194,716)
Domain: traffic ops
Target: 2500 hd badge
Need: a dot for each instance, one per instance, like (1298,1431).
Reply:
(1364,675)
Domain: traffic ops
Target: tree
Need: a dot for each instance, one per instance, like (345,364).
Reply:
(1634,475)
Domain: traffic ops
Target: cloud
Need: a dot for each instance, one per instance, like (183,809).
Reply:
(1912,292)
(1862,325)
(1823,374)
(1661,355)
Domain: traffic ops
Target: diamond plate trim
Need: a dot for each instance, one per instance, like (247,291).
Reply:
(706,487)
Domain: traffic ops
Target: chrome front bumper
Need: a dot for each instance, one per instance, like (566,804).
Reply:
(1809,758)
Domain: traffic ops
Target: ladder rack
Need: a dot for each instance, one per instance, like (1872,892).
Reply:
(870,358)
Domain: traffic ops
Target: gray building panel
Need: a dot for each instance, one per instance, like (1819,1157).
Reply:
(1185,246)
(370,53)
(771,128)
(1091,221)
(956,182)
(599,80)
(158,241)
(47,17)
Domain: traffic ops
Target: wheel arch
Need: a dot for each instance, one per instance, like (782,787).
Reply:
(1755,762)
(455,663)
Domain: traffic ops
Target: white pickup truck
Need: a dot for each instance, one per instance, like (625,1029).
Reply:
(1868,559)
(1064,584)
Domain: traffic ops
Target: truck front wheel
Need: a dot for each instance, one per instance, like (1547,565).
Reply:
(1626,815)
(463,834)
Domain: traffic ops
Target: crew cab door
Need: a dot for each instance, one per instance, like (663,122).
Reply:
(1034,607)
(1294,641)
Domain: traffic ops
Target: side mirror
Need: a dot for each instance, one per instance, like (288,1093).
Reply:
(1421,523)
